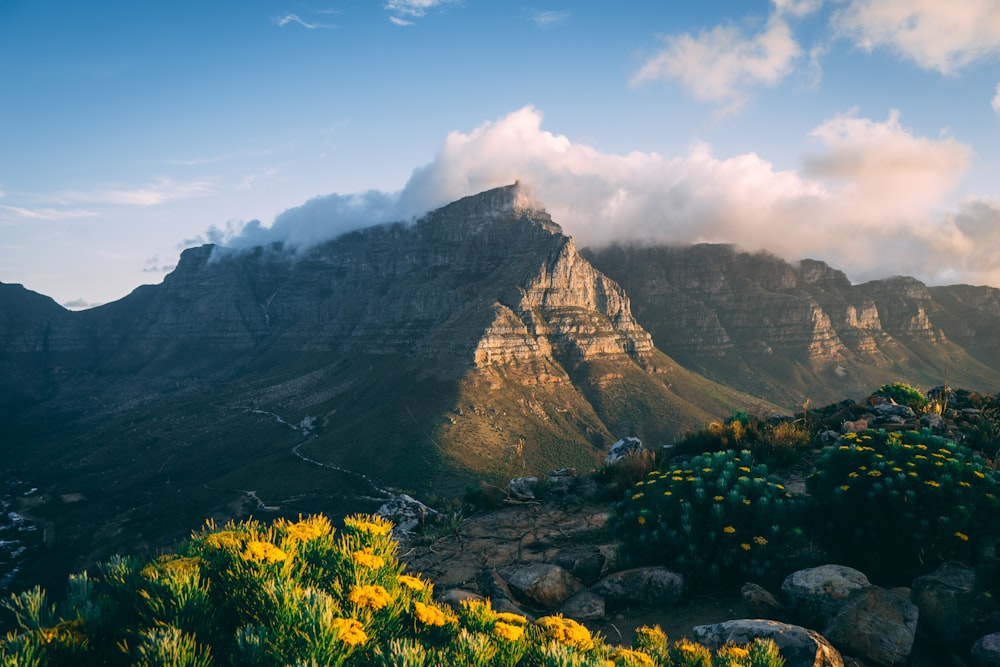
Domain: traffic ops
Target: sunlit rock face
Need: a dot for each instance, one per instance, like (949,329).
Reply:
(803,330)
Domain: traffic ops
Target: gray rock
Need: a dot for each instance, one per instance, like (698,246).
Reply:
(561,482)
(408,514)
(453,597)
(584,561)
(760,603)
(642,585)
(544,584)
(876,625)
(522,488)
(986,651)
(894,410)
(622,449)
(932,421)
(584,606)
(800,647)
(949,608)
(816,594)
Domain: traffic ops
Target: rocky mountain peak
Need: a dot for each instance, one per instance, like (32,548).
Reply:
(509,201)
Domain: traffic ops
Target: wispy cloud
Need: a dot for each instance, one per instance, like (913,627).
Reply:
(402,11)
(942,36)
(544,19)
(48,213)
(723,64)
(160,191)
(995,102)
(282,21)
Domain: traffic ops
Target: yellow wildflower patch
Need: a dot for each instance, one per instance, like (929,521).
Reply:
(566,631)
(508,631)
(368,559)
(350,631)
(729,530)
(369,597)
(429,614)
(368,525)
(413,583)
(263,552)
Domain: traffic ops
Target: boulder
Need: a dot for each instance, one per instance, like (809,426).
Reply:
(453,597)
(584,561)
(408,514)
(800,647)
(543,584)
(561,482)
(642,585)
(760,603)
(986,651)
(622,449)
(522,488)
(893,410)
(816,594)
(584,606)
(876,625)
(949,609)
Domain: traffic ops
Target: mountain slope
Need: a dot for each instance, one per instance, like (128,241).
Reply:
(788,333)
(476,342)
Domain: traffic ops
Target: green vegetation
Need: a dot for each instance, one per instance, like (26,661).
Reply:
(715,519)
(778,444)
(294,593)
(896,504)
(903,394)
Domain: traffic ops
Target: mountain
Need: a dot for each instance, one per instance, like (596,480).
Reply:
(475,343)
(795,332)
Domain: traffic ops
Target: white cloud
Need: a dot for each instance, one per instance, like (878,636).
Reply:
(995,102)
(723,64)
(282,21)
(895,173)
(936,35)
(797,8)
(48,213)
(869,201)
(160,191)
(399,9)
(544,19)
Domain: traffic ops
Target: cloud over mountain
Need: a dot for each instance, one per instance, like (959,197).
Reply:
(872,199)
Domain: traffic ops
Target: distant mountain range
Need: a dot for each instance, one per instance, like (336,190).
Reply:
(475,343)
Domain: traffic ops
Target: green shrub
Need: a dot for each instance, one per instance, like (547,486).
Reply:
(897,504)
(294,593)
(717,518)
(903,394)
(779,444)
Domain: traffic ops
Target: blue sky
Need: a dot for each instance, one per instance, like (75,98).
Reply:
(861,132)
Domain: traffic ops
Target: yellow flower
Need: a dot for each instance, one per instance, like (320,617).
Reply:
(745,546)
(874,473)
(979,474)
(853,475)
(641,520)
(566,631)
(350,631)
(632,658)
(932,483)
(638,496)
(508,632)
(746,501)
(718,499)
(744,468)
(965,485)
(367,559)
(962,536)
(225,540)
(307,529)
(729,530)
(263,552)
(429,614)
(368,525)
(844,487)
(761,541)
(668,493)
(413,583)
(372,597)
(514,619)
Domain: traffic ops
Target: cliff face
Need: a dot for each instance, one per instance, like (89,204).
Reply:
(804,331)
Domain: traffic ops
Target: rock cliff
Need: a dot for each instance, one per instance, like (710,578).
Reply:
(791,332)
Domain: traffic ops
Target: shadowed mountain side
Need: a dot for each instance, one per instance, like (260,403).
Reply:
(788,332)
(476,342)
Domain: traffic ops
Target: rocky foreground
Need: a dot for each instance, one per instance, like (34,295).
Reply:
(558,556)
